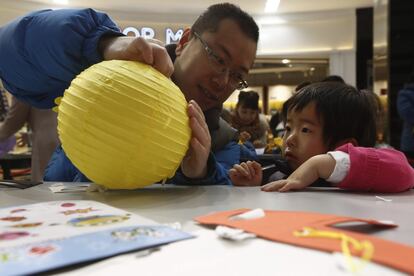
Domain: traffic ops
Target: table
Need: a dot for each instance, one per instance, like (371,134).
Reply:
(168,203)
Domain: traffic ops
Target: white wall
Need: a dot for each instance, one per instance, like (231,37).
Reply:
(329,34)
(315,33)
(280,92)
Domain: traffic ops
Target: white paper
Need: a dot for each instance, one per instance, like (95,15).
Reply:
(209,255)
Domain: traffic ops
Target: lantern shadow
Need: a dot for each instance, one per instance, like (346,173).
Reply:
(161,197)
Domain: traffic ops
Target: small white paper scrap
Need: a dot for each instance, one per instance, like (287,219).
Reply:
(61,187)
(383,199)
(233,234)
(252,214)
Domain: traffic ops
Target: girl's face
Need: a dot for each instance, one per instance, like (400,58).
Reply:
(303,137)
(247,115)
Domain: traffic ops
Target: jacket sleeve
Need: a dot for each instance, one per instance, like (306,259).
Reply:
(217,174)
(377,170)
(218,165)
(43,51)
(405,105)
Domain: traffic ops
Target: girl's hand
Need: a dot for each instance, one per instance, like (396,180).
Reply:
(319,166)
(246,174)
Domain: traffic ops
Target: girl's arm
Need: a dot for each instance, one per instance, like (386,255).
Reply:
(370,170)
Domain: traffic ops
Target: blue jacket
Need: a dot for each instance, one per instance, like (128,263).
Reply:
(405,105)
(42,52)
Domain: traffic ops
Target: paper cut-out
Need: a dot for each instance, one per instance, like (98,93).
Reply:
(281,226)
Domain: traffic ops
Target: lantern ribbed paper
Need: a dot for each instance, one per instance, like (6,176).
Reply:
(124,125)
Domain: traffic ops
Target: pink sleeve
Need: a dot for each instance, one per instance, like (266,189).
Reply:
(377,170)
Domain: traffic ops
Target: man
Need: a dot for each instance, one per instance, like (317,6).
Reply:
(42,52)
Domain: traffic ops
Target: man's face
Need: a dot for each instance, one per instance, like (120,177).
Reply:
(195,72)
(303,137)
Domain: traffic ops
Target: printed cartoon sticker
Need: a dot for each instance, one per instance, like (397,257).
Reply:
(97,220)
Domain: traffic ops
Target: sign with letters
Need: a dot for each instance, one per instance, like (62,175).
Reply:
(170,35)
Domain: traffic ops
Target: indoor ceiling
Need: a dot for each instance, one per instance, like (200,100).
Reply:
(255,7)
(266,70)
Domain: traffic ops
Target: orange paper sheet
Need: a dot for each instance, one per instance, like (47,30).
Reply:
(280,225)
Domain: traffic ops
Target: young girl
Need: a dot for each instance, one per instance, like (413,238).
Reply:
(247,121)
(330,132)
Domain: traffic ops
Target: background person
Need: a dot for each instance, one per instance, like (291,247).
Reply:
(247,120)
(330,134)
(405,106)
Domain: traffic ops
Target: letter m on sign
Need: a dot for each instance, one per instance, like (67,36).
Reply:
(171,37)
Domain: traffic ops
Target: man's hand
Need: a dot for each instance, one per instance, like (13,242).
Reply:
(319,166)
(151,52)
(246,174)
(194,164)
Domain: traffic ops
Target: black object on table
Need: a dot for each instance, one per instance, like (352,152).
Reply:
(14,161)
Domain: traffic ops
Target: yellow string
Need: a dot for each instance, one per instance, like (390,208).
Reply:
(365,247)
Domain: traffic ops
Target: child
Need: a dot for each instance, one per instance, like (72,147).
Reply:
(330,132)
(247,121)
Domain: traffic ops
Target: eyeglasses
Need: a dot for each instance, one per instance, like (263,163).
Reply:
(236,81)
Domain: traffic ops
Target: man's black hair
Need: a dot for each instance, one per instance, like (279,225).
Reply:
(343,111)
(211,18)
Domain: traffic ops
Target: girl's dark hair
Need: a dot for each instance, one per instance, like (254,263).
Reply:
(344,112)
(248,99)
(334,78)
(211,18)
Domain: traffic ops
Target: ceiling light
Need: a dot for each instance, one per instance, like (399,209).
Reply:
(312,69)
(61,2)
(272,6)
(285,61)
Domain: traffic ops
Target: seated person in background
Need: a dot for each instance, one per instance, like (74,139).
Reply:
(380,116)
(405,106)
(247,120)
(330,134)
(7,143)
(274,122)
(44,137)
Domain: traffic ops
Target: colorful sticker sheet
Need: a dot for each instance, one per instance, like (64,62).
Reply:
(49,235)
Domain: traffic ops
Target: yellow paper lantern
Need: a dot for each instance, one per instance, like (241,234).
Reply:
(124,125)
